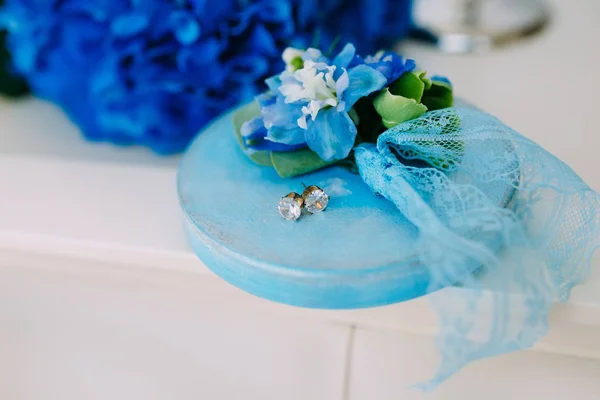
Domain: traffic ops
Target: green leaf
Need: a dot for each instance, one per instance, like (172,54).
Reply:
(395,110)
(411,85)
(243,114)
(439,96)
(425,79)
(354,116)
(369,123)
(299,162)
(297,63)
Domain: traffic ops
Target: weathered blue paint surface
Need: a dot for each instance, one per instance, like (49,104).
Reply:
(358,253)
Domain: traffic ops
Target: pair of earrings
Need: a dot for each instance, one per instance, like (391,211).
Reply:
(313,200)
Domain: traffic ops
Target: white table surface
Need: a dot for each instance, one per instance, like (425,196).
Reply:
(68,203)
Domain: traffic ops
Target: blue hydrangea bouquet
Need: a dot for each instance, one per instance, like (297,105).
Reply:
(153,73)
(406,191)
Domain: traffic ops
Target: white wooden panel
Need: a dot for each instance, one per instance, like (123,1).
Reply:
(386,364)
(86,336)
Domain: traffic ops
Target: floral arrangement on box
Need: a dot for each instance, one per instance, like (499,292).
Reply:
(154,73)
(493,212)
(319,109)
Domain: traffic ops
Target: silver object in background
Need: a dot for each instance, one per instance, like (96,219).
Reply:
(467,26)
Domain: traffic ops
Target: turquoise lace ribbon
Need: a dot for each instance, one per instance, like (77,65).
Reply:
(486,199)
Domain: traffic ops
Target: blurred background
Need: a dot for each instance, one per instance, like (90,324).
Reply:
(154,73)
(100,296)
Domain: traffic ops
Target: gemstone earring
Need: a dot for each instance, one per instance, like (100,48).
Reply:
(290,206)
(315,199)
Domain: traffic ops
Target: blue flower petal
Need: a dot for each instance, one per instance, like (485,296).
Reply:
(281,120)
(185,26)
(253,129)
(345,57)
(274,11)
(293,136)
(201,56)
(273,83)
(342,83)
(265,99)
(331,135)
(392,66)
(357,60)
(211,13)
(248,67)
(261,40)
(267,145)
(443,79)
(129,24)
(281,114)
(364,80)
(255,134)
(315,55)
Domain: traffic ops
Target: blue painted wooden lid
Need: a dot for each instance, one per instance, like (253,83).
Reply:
(357,253)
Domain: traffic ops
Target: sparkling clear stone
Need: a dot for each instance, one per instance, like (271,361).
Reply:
(316,201)
(289,209)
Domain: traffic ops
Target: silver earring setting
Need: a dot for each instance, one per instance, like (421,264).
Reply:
(313,200)
(290,206)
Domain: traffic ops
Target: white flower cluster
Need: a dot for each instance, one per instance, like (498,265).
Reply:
(314,83)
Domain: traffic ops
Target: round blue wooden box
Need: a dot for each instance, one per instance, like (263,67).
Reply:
(358,253)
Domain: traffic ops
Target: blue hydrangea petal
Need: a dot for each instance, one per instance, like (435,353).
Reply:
(315,55)
(275,11)
(242,21)
(211,13)
(345,57)
(129,24)
(293,136)
(331,135)
(253,129)
(281,120)
(357,60)
(200,55)
(266,99)
(261,40)
(392,66)
(273,83)
(185,26)
(364,80)
(267,145)
(306,11)
(281,114)
(342,83)
(247,67)
(254,135)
